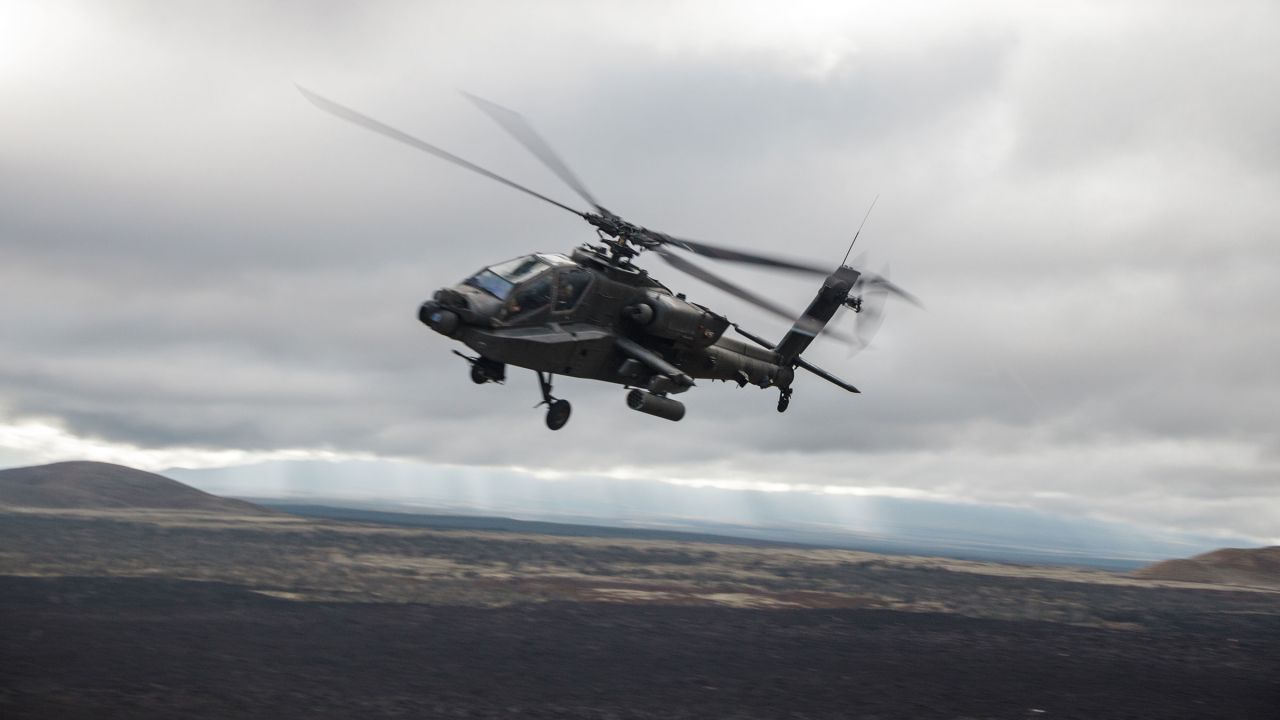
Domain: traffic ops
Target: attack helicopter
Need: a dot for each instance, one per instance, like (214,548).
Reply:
(594,313)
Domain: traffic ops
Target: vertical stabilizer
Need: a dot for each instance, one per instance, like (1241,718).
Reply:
(834,293)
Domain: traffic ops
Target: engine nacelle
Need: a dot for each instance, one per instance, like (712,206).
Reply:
(725,363)
(673,318)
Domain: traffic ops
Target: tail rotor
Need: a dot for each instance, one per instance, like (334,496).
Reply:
(867,300)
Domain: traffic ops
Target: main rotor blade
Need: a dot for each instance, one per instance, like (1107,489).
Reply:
(813,328)
(722,253)
(369,123)
(711,278)
(519,128)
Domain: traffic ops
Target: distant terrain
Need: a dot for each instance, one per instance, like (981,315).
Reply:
(701,531)
(1256,567)
(202,610)
(503,524)
(901,526)
(97,485)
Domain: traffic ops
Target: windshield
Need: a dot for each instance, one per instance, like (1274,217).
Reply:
(497,280)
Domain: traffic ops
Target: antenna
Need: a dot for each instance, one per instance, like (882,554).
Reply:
(855,235)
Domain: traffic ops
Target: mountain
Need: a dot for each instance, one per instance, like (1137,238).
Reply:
(96,485)
(1256,567)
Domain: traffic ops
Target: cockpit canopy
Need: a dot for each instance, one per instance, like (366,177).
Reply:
(498,280)
(528,283)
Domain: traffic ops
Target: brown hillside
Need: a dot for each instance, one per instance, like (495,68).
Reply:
(1255,567)
(95,485)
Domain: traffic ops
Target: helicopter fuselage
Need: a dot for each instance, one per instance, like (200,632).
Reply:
(588,316)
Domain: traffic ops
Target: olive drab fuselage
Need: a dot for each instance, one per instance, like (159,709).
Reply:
(589,317)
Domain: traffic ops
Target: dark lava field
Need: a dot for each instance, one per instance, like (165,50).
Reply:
(199,617)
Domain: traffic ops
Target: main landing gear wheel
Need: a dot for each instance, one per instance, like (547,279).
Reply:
(558,414)
(784,401)
(557,410)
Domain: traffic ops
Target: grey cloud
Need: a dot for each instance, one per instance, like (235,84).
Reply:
(190,255)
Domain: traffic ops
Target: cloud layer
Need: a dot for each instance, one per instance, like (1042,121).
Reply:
(191,257)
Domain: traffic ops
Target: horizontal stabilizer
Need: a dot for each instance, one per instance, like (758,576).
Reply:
(799,361)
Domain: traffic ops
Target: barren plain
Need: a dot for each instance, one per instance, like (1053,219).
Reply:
(162,613)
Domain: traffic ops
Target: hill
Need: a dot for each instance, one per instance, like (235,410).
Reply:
(96,485)
(1256,567)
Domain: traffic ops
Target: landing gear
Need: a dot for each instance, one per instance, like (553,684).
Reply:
(557,410)
(784,400)
(558,414)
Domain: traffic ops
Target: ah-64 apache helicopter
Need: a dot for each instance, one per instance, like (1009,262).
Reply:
(595,314)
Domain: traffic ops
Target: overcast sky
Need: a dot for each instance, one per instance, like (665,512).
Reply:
(199,268)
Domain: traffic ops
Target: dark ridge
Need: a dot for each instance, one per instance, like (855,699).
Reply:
(95,486)
(1251,567)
